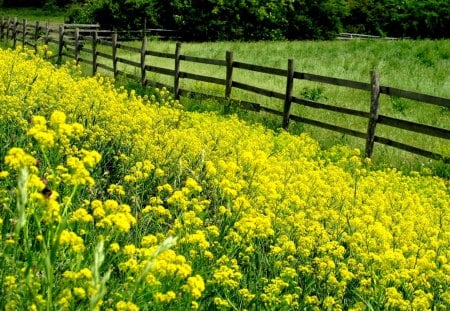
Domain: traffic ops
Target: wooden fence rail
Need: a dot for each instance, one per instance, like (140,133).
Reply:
(71,38)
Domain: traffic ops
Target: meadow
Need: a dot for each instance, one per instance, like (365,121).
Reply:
(115,201)
(422,66)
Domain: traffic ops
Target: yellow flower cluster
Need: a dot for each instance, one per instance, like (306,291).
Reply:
(73,240)
(264,219)
(112,215)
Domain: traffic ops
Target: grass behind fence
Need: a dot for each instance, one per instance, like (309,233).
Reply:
(54,15)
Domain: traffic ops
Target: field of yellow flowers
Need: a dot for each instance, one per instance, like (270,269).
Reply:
(110,201)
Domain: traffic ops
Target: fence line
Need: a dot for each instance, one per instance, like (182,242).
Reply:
(72,38)
(349,36)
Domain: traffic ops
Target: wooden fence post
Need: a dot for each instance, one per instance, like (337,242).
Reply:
(94,53)
(8,23)
(288,97)
(373,117)
(114,53)
(24,32)
(5,25)
(36,37)
(229,76)
(47,33)
(77,46)
(143,54)
(176,82)
(14,32)
(61,43)
(2,28)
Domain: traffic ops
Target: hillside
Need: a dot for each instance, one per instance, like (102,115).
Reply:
(128,203)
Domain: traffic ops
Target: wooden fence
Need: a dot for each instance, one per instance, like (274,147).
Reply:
(350,36)
(72,39)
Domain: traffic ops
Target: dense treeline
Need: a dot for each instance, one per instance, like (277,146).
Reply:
(264,19)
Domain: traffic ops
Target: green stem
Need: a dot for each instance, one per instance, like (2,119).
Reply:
(62,224)
(49,277)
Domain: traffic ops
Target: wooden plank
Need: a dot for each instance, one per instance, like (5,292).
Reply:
(412,149)
(81,25)
(288,96)
(239,103)
(245,105)
(85,49)
(202,78)
(333,81)
(202,60)
(328,126)
(128,62)
(262,69)
(434,100)
(126,74)
(84,60)
(313,104)
(86,38)
(128,48)
(374,113)
(414,127)
(160,54)
(105,67)
(70,44)
(272,111)
(31,44)
(101,54)
(71,49)
(160,70)
(105,42)
(53,40)
(257,90)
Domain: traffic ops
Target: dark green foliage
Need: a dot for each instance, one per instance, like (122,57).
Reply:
(317,19)
(210,20)
(407,18)
(116,14)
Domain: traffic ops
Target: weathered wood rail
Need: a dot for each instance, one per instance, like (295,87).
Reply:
(71,39)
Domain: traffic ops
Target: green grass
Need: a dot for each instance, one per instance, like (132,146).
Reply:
(34,14)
